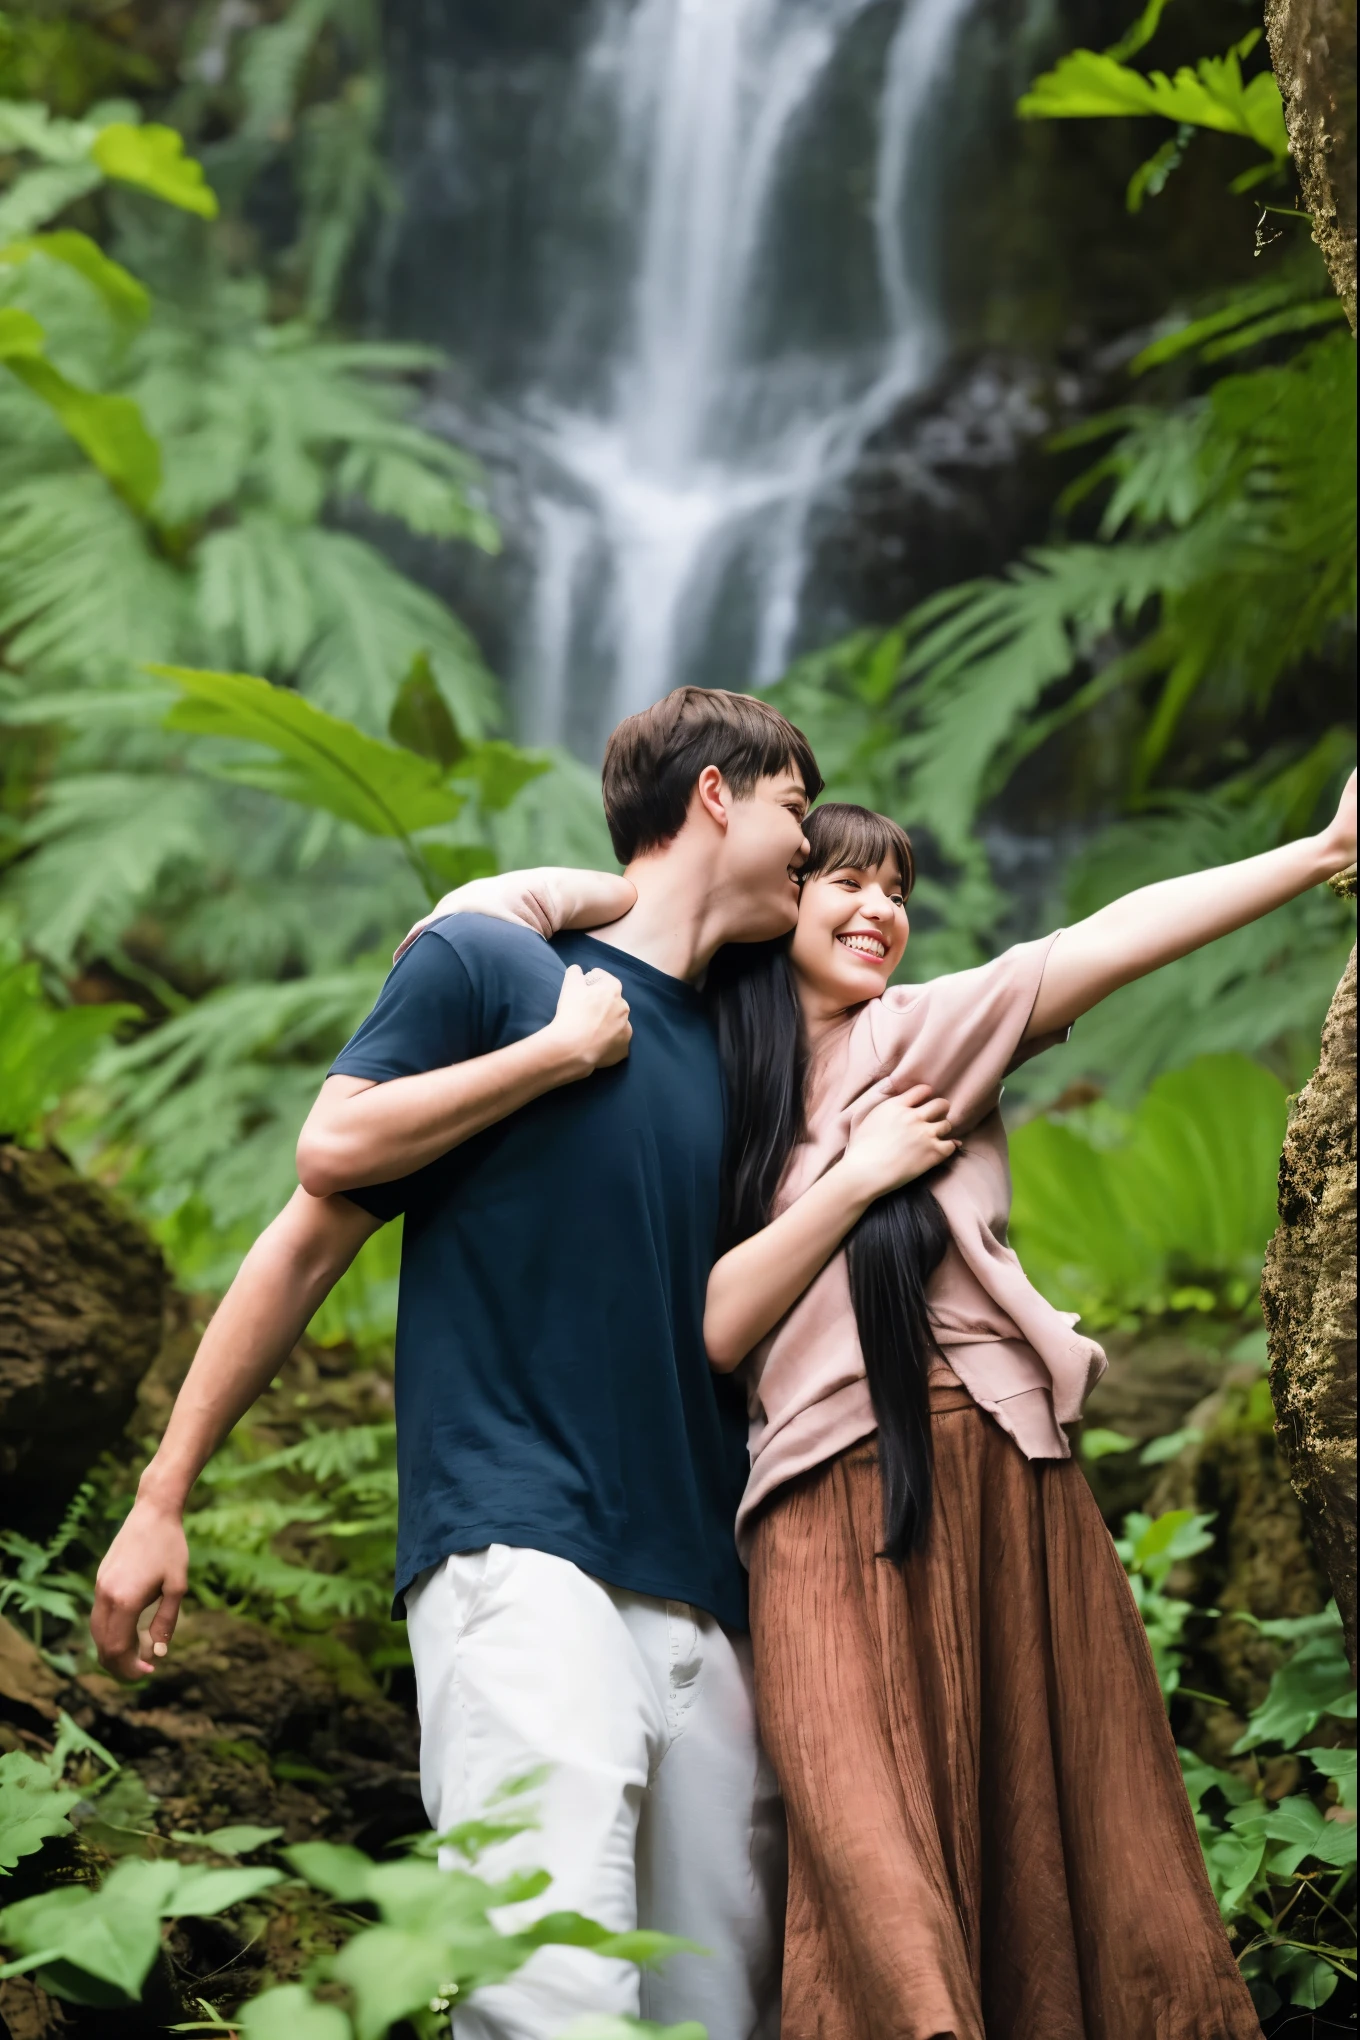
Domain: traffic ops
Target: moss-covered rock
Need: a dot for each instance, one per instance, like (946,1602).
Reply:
(82,1293)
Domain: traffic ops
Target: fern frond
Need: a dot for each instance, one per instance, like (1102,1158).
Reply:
(80,589)
(254,595)
(103,841)
(373,623)
(984,654)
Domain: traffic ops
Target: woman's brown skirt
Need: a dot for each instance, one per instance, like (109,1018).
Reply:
(988,1833)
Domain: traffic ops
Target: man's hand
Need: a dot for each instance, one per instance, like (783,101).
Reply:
(591,1028)
(147,1563)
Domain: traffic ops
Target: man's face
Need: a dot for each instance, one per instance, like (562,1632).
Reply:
(765,848)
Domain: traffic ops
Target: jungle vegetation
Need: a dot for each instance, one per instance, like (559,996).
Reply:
(243,747)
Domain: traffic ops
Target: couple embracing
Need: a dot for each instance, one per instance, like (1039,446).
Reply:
(928,1776)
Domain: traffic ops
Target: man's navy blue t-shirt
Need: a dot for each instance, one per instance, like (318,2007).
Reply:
(552,1385)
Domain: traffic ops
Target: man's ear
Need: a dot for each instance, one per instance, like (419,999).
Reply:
(713,795)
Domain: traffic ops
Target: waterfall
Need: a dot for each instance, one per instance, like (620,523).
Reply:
(673,440)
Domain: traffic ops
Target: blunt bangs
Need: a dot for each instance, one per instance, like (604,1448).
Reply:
(843,837)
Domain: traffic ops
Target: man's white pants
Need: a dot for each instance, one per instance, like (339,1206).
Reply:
(658,1808)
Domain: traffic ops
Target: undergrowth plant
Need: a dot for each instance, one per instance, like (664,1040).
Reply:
(415,1938)
(1283,1868)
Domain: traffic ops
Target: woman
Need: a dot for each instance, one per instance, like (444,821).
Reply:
(989,1838)
(988,1831)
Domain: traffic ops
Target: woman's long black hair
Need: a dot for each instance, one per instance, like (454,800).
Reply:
(900,1241)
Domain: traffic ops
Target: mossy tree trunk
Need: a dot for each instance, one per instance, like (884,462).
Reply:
(1312,47)
(1308,1296)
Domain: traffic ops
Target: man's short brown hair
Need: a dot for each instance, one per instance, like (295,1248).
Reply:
(653,760)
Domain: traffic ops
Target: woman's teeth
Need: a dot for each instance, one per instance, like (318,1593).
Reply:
(865,945)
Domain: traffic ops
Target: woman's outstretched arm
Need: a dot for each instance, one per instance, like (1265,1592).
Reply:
(1158,923)
(754,1284)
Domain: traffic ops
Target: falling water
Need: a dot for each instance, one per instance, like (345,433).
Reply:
(672,480)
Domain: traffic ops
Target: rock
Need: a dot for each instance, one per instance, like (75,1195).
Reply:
(82,1290)
(27,2012)
(1308,1296)
(25,1680)
(1151,1388)
(244,1725)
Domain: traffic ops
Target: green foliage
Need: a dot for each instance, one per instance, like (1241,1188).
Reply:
(44,1050)
(33,1807)
(153,158)
(39,1585)
(1212,94)
(1262,1856)
(1149,1548)
(97,1946)
(1230,514)
(1313,1682)
(434,1941)
(1167,1208)
(1087,85)
(243,449)
(303,1534)
(431,1940)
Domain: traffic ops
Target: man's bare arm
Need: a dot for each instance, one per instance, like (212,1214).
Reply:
(363,1132)
(1155,925)
(284,1278)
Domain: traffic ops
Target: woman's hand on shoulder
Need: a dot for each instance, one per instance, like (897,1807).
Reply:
(900,1139)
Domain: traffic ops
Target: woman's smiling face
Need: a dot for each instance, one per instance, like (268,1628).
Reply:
(852,930)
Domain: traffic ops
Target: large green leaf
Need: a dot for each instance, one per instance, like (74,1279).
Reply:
(44,1051)
(152,157)
(1315,1681)
(109,429)
(111,1934)
(33,1804)
(1088,84)
(125,298)
(1303,1830)
(1112,1216)
(292,2013)
(21,337)
(322,761)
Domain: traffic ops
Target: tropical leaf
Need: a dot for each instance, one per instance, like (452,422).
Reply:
(271,69)
(1086,85)
(1186,1197)
(123,296)
(44,1050)
(81,589)
(322,761)
(105,841)
(34,1806)
(39,195)
(152,157)
(110,430)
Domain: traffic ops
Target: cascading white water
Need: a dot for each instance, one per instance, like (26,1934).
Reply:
(696,469)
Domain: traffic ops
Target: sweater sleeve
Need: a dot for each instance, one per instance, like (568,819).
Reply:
(961,1034)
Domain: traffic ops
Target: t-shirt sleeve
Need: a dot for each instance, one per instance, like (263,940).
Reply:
(426,1017)
(963,1033)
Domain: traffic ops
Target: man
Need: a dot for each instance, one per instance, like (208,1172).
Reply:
(569,1466)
